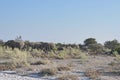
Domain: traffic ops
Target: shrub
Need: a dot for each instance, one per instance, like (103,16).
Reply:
(7,66)
(112,63)
(48,72)
(63,68)
(71,53)
(51,54)
(18,58)
(43,62)
(4,52)
(36,53)
(93,74)
(62,54)
(116,55)
(70,65)
(68,77)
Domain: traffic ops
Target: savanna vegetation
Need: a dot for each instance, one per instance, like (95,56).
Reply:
(21,53)
(38,49)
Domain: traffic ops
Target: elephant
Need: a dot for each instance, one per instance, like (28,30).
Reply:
(14,44)
(46,46)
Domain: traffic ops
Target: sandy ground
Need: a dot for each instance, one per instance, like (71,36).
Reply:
(78,67)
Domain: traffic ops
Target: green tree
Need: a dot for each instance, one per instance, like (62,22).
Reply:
(1,42)
(96,48)
(112,44)
(90,41)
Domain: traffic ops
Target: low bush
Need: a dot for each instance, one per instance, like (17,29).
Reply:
(93,74)
(112,63)
(68,77)
(41,62)
(7,66)
(63,68)
(36,53)
(48,72)
(17,58)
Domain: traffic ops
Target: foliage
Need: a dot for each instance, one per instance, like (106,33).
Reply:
(96,48)
(48,72)
(112,44)
(90,41)
(117,49)
(63,68)
(71,53)
(1,42)
(18,58)
(7,66)
(68,77)
(116,55)
(43,62)
(36,53)
(93,74)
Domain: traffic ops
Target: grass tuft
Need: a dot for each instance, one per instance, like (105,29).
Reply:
(68,77)
(48,72)
(93,74)
(63,68)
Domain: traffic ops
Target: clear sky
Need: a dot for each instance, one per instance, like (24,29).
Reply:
(69,21)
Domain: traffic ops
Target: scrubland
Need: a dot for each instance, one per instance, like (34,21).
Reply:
(59,67)
(94,62)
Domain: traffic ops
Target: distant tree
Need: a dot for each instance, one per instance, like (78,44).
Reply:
(1,42)
(96,48)
(112,44)
(90,41)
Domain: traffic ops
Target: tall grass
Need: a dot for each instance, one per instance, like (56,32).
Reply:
(71,53)
(17,58)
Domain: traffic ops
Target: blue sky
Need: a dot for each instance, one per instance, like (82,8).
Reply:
(69,21)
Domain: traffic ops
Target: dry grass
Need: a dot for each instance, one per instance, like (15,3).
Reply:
(31,69)
(18,58)
(63,68)
(93,74)
(42,62)
(68,77)
(71,64)
(7,66)
(48,72)
(112,63)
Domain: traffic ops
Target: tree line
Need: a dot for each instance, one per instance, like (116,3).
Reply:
(90,46)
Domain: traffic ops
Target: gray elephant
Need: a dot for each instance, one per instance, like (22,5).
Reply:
(15,44)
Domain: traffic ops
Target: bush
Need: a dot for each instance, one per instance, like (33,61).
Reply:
(63,68)
(93,74)
(36,53)
(62,55)
(71,53)
(7,66)
(17,58)
(48,72)
(115,53)
(68,77)
(43,62)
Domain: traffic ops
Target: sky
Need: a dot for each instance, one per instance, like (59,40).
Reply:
(64,21)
